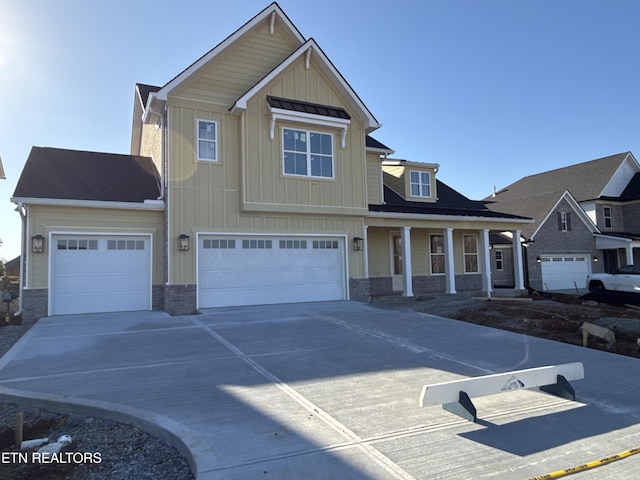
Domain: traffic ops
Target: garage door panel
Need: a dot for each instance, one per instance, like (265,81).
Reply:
(252,274)
(565,271)
(113,273)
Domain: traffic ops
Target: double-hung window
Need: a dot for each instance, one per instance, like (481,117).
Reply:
(420,184)
(307,154)
(436,243)
(207,140)
(470,245)
(608,223)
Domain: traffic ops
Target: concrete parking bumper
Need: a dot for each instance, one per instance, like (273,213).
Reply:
(328,390)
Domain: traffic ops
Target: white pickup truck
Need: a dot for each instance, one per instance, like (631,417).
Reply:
(624,279)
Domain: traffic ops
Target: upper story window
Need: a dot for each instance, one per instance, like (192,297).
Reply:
(420,184)
(608,222)
(564,221)
(207,140)
(307,154)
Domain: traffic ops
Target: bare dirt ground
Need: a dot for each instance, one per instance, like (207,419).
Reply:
(556,318)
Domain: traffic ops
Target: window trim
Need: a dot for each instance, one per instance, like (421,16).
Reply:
(199,158)
(437,254)
(499,260)
(466,254)
(564,222)
(608,219)
(420,184)
(309,154)
(278,114)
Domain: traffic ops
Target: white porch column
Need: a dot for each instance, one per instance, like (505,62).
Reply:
(486,262)
(449,269)
(518,272)
(407,274)
(629,250)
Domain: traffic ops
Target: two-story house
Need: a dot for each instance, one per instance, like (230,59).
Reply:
(587,219)
(252,179)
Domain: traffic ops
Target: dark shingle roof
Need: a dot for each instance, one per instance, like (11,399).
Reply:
(55,173)
(371,142)
(306,107)
(144,91)
(450,202)
(632,190)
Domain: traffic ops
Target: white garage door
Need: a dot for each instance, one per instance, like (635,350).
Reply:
(559,272)
(99,274)
(249,270)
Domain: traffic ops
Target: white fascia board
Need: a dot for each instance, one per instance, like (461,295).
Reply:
(631,161)
(265,15)
(409,163)
(453,218)
(573,203)
(57,202)
(241,104)
(381,151)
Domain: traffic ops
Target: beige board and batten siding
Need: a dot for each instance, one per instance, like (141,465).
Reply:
(100,221)
(267,188)
(239,67)
(374,179)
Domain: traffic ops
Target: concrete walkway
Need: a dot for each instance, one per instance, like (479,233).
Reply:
(328,390)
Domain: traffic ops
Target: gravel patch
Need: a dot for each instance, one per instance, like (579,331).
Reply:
(100,448)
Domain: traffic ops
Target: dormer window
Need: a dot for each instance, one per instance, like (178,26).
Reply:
(420,183)
(608,222)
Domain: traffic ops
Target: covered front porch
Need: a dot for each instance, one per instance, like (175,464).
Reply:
(412,258)
(618,249)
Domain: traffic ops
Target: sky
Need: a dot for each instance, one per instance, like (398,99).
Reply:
(491,90)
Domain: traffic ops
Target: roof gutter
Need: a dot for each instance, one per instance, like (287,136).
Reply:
(56,202)
(419,216)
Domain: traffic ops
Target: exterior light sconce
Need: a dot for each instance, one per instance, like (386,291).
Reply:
(37,244)
(184,241)
(595,259)
(539,260)
(357,244)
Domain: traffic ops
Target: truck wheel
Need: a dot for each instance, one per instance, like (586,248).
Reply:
(595,285)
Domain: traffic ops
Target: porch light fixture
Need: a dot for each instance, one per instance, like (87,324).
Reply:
(539,260)
(595,258)
(357,244)
(184,241)
(37,244)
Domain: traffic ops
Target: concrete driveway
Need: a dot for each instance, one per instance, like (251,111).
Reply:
(329,390)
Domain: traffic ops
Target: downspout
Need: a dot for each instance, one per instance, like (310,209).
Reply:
(162,159)
(20,209)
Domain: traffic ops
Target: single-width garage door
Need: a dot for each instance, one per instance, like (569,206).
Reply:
(99,274)
(559,272)
(251,270)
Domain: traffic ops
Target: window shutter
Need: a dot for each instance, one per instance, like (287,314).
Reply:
(568,221)
(559,221)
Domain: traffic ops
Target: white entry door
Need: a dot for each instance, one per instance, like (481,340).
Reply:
(93,273)
(257,270)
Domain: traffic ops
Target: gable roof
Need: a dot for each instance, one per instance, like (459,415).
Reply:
(373,144)
(450,203)
(53,173)
(2,175)
(270,13)
(370,122)
(632,190)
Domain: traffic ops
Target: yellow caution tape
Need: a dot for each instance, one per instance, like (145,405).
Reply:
(587,466)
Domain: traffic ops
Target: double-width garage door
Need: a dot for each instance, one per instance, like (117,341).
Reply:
(99,274)
(559,272)
(257,270)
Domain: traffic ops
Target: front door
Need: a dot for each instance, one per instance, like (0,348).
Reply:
(396,262)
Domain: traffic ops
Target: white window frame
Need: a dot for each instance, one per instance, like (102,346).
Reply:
(309,154)
(470,254)
(215,141)
(608,219)
(424,188)
(499,260)
(564,223)
(433,254)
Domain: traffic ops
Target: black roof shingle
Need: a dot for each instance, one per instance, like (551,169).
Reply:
(55,173)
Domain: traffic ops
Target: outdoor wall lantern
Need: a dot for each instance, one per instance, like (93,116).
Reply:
(539,260)
(595,258)
(357,244)
(184,242)
(37,243)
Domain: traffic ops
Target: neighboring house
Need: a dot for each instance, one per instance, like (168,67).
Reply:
(587,219)
(251,179)
(2,175)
